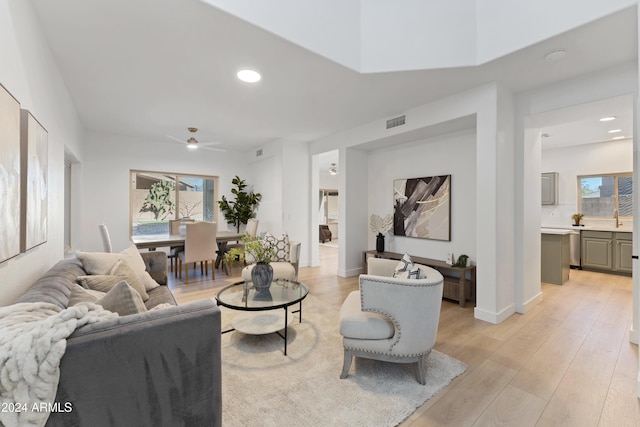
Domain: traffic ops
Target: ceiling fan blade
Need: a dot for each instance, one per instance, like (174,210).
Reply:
(209,143)
(177,139)
(222,150)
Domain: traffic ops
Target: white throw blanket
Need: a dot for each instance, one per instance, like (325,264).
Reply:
(33,339)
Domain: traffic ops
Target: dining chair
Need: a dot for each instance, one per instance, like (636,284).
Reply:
(106,240)
(174,228)
(199,246)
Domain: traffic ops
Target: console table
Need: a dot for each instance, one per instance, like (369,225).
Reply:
(458,288)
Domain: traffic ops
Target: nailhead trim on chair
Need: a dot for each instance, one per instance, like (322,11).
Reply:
(396,325)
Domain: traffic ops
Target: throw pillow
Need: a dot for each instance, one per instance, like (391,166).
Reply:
(79,294)
(413,272)
(105,282)
(404,265)
(103,262)
(122,299)
(281,246)
(161,306)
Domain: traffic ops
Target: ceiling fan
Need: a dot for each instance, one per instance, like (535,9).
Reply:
(193,143)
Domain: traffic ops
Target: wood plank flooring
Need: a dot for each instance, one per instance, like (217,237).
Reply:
(568,362)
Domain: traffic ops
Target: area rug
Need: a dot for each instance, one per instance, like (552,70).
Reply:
(261,386)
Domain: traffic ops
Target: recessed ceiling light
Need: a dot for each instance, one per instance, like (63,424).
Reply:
(555,55)
(618,137)
(249,76)
(615,130)
(608,118)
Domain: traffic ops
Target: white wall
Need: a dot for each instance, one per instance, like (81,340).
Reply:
(586,159)
(452,154)
(28,71)
(282,175)
(105,184)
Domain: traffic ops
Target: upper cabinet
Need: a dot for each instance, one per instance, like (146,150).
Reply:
(550,188)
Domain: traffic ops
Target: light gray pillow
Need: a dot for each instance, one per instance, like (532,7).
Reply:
(103,263)
(123,299)
(105,282)
(79,294)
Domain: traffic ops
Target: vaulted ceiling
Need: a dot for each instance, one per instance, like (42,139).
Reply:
(153,68)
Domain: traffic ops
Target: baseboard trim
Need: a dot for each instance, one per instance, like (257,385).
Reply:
(524,308)
(495,318)
(349,273)
(633,336)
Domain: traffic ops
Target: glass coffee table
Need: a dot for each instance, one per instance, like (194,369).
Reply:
(262,315)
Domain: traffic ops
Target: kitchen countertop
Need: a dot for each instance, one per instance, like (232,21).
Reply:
(554,231)
(622,229)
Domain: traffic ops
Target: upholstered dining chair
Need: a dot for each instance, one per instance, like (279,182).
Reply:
(392,319)
(199,246)
(174,228)
(106,240)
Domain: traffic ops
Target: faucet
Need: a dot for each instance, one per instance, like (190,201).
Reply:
(615,216)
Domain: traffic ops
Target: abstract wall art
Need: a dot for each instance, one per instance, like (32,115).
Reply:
(422,207)
(35,158)
(9,175)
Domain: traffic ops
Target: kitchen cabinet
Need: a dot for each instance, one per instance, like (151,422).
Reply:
(554,265)
(607,250)
(550,188)
(623,252)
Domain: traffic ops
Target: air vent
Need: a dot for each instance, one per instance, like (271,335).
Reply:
(259,153)
(397,121)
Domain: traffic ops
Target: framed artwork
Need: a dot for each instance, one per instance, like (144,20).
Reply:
(9,175)
(35,159)
(422,207)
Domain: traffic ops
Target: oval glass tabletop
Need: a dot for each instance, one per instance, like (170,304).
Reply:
(243,296)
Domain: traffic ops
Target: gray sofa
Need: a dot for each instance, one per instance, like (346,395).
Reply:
(158,368)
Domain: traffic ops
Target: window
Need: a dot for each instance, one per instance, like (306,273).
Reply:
(157,197)
(600,195)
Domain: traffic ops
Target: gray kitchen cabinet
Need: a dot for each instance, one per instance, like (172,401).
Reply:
(624,250)
(597,250)
(550,188)
(606,250)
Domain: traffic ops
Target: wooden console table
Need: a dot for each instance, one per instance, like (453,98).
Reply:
(458,288)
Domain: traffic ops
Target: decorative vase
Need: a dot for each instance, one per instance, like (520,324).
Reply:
(261,276)
(380,242)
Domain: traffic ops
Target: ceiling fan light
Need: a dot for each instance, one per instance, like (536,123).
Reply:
(333,170)
(249,76)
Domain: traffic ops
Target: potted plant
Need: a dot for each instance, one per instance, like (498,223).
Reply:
(259,251)
(577,217)
(240,210)
(380,226)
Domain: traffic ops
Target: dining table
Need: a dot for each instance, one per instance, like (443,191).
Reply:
(153,241)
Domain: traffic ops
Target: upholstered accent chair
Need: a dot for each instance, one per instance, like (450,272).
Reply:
(281,269)
(200,245)
(392,319)
(106,240)
(324,233)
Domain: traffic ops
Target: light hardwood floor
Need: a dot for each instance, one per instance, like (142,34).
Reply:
(568,362)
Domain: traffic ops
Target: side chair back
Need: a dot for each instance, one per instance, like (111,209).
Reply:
(106,240)
(199,246)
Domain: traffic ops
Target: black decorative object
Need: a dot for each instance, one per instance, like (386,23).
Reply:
(261,276)
(380,242)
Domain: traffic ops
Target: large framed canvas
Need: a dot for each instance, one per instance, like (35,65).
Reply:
(35,159)
(422,207)
(9,175)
